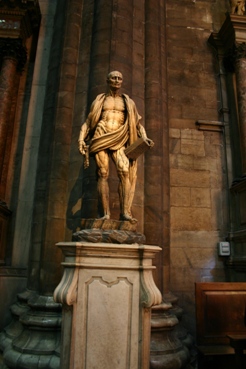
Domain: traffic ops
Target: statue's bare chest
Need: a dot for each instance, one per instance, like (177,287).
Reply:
(114,103)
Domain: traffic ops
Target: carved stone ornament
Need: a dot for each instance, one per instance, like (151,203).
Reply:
(233,55)
(10,48)
(237,7)
(19,18)
(240,50)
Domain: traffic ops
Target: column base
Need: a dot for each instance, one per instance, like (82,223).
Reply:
(167,351)
(32,340)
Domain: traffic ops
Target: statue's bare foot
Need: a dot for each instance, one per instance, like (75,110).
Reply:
(128,217)
(105,217)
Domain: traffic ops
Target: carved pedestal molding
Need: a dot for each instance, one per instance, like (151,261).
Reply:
(31,339)
(107,291)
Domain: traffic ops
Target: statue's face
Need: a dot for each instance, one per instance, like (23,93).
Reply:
(115,80)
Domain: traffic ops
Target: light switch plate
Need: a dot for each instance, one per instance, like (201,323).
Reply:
(224,248)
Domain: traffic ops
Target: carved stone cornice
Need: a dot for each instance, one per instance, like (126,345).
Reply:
(240,50)
(233,31)
(13,49)
(19,18)
(230,40)
(234,55)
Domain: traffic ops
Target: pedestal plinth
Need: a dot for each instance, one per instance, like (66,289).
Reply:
(107,291)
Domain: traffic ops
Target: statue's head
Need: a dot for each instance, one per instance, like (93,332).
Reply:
(115,80)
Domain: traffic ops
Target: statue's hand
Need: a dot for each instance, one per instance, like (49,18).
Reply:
(149,142)
(82,147)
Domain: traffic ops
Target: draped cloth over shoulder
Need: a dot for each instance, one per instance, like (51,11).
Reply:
(129,128)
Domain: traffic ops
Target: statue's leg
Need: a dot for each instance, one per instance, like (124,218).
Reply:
(102,161)
(133,178)
(122,165)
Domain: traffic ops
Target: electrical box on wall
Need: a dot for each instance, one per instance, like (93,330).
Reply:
(224,248)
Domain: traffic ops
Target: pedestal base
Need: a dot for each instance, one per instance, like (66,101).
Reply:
(107,292)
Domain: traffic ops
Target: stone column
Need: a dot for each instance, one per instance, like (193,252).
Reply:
(33,337)
(229,44)
(240,72)
(156,196)
(230,41)
(111,290)
(13,55)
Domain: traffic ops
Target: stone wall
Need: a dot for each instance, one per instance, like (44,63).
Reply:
(173,80)
(198,165)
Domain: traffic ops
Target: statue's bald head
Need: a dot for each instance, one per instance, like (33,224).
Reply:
(115,73)
(114,80)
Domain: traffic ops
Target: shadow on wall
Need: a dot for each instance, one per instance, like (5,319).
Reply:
(83,197)
(218,10)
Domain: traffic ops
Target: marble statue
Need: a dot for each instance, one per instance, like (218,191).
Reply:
(238,7)
(111,126)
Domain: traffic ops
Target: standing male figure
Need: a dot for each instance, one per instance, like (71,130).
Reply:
(113,124)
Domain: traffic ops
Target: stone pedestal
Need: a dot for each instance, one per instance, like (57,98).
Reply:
(107,292)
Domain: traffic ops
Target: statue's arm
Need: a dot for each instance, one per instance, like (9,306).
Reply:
(142,133)
(84,131)
(87,126)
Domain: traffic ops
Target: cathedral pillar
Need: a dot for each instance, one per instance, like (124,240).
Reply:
(156,226)
(18,23)
(13,56)
(229,46)
(240,73)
